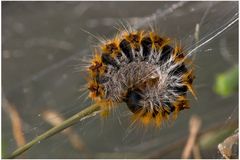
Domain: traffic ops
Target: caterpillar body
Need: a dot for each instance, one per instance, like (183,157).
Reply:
(142,69)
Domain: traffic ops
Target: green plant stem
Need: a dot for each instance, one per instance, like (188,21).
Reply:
(67,123)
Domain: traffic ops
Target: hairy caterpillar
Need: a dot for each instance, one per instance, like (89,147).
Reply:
(142,69)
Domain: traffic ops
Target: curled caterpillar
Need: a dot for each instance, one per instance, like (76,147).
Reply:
(143,70)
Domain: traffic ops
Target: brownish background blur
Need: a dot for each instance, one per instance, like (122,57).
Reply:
(42,44)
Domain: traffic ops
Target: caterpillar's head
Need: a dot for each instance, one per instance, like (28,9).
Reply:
(143,70)
(133,100)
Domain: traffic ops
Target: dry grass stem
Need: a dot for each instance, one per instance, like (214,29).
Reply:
(194,125)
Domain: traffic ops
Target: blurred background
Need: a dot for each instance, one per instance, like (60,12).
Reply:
(43,48)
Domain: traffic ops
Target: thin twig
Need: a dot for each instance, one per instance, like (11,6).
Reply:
(67,123)
(55,119)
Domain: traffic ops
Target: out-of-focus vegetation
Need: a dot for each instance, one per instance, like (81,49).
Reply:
(4,147)
(227,83)
(212,138)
